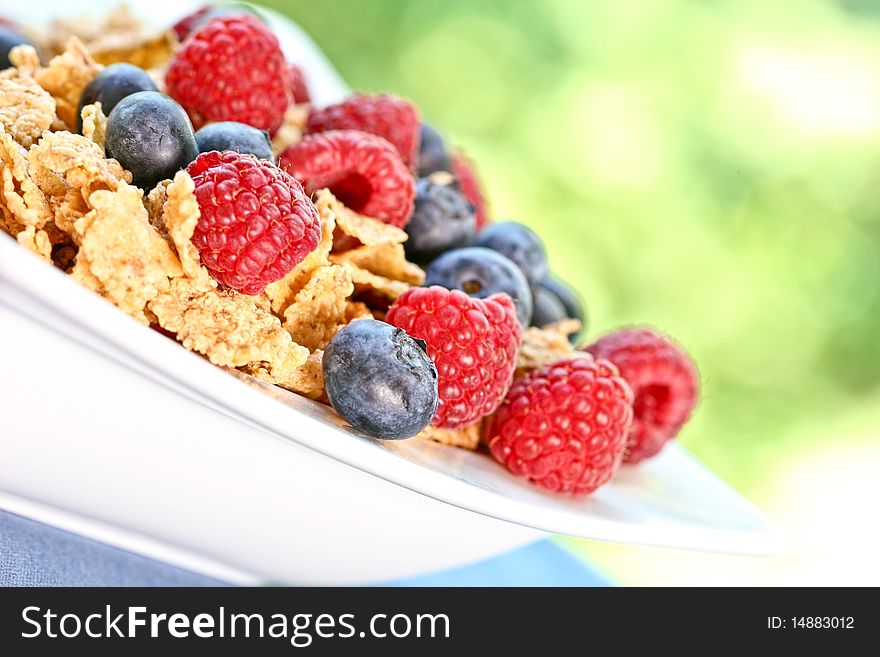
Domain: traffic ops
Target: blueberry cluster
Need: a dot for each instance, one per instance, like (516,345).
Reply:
(150,134)
(504,256)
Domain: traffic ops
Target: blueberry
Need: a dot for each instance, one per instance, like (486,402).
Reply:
(380,380)
(567,297)
(9,38)
(433,154)
(443,219)
(481,273)
(151,136)
(571,300)
(111,85)
(520,244)
(547,308)
(234,136)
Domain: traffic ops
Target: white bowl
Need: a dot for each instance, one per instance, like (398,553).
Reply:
(115,432)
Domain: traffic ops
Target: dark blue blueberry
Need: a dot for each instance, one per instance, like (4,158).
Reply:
(380,380)
(433,154)
(111,85)
(442,219)
(9,38)
(520,244)
(547,308)
(234,136)
(571,300)
(151,136)
(481,273)
(568,298)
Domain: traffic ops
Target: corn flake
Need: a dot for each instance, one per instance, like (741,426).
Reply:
(387,259)
(307,379)
(227,327)
(357,310)
(94,123)
(120,248)
(146,51)
(81,272)
(154,201)
(67,210)
(365,230)
(63,160)
(180,214)
(37,241)
(26,109)
(467,437)
(119,21)
(282,293)
(318,310)
(65,78)
(22,203)
(386,287)
(542,346)
(292,127)
(25,59)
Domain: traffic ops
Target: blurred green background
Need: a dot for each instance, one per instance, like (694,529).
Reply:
(712,168)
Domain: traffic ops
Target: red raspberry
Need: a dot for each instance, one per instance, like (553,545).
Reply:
(256,221)
(469,184)
(385,115)
(232,69)
(185,25)
(473,343)
(564,426)
(298,88)
(362,170)
(665,383)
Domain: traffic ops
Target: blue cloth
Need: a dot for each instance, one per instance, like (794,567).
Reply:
(540,564)
(34,554)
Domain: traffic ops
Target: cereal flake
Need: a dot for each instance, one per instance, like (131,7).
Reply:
(467,437)
(292,127)
(282,293)
(386,287)
(94,123)
(22,203)
(25,59)
(387,259)
(65,78)
(180,214)
(542,346)
(26,109)
(121,249)
(225,326)
(365,230)
(37,241)
(318,311)
(62,160)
